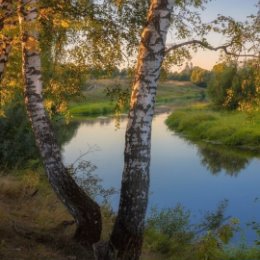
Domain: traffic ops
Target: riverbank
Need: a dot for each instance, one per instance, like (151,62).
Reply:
(34,224)
(31,219)
(95,102)
(231,128)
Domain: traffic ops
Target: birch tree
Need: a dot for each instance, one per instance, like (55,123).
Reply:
(127,235)
(85,211)
(4,53)
(5,41)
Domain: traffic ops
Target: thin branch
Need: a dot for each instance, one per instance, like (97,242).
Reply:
(198,232)
(90,150)
(207,46)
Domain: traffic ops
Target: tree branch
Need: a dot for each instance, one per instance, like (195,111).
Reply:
(207,46)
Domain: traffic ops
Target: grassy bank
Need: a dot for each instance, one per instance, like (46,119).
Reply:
(34,224)
(93,109)
(95,102)
(220,127)
(30,218)
(178,92)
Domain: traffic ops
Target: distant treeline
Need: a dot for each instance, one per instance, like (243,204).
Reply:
(229,85)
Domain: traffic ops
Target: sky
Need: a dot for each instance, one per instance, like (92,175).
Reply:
(238,9)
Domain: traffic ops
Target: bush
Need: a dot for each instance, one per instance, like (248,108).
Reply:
(220,81)
(234,87)
(200,77)
(17,145)
(170,232)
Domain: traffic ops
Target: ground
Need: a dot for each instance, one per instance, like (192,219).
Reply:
(33,222)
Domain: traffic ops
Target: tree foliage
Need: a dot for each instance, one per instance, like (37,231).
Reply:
(234,87)
(17,146)
(220,82)
(199,77)
(170,232)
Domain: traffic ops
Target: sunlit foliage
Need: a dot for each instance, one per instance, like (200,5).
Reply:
(235,87)
(199,77)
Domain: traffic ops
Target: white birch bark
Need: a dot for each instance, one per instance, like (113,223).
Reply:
(84,210)
(5,48)
(126,239)
(6,10)
(5,42)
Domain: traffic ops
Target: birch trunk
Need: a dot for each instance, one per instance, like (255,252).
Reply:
(84,210)
(5,48)
(6,10)
(5,42)
(127,236)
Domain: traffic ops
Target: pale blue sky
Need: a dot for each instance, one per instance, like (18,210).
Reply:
(238,9)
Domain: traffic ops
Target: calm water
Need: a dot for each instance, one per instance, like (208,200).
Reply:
(198,176)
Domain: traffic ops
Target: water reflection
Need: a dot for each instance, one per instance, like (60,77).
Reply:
(65,132)
(101,121)
(217,158)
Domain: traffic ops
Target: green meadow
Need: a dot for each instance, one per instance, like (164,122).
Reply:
(232,128)
(95,102)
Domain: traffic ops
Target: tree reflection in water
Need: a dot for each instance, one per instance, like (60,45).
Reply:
(65,131)
(218,157)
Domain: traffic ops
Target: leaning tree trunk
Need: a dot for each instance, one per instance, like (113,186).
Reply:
(84,210)
(127,235)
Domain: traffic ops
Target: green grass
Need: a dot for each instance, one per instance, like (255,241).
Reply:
(32,217)
(92,109)
(95,102)
(223,127)
(176,91)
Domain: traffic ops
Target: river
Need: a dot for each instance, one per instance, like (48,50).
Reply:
(199,176)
